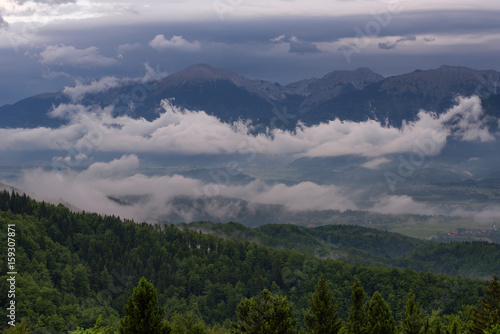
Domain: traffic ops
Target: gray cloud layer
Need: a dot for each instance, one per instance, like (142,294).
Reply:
(243,45)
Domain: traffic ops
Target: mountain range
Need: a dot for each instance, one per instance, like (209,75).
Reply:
(355,95)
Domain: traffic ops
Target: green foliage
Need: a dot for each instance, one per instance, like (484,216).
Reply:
(322,317)
(79,266)
(97,329)
(493,330)
(361,245)
(187,324)
(356,321)
(21,327)
(355,244)
(379,319)
(489,315)
(143,315)
(266,314)
(414,320)
(469,259)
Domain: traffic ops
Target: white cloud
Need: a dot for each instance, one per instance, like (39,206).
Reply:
(403,204)
(177,42)
(68,159)
(153,74)
(154,197)
(90,190)
(78,92)
(70,56)
(41,12)
(467,121)
(113,169)
(101,85)
(278,39)
(375,163)
(372,140)
(189,132)
(301,196)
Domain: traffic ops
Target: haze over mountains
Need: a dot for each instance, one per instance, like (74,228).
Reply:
(348,95)
(208,143)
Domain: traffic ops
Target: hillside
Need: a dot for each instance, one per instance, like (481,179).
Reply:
(361,245)
(73,267)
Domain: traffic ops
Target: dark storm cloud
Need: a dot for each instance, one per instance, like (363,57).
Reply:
(391,45)
(406,24)
(246,47)
(442,22)
(387,46)
(328,29)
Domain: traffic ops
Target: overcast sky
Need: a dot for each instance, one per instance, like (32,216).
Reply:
(48,44)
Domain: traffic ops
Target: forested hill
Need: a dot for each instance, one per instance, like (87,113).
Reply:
(74,267)
(361,245)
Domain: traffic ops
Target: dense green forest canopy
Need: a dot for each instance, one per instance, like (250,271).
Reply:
(77,268)
(361,245)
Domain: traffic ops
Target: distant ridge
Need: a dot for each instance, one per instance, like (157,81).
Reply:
(400,97)
(354,95)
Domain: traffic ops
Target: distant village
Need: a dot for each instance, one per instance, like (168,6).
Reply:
(480,232)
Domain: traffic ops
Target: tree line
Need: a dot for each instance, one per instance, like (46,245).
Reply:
(270,313)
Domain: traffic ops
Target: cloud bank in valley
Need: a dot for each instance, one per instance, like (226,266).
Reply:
(188,132)
(92,188)
(153,198)
(195,132)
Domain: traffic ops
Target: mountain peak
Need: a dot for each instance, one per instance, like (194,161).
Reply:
(358,77)
(205,72)
(331,85)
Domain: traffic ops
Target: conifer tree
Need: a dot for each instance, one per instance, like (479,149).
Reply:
(356,320)
(484,319)
(322,317)
(379,319)
(266,314)
(414,320)
(143,315)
